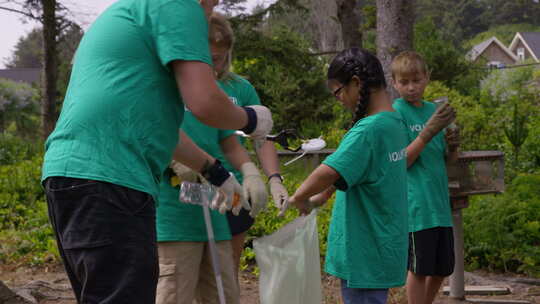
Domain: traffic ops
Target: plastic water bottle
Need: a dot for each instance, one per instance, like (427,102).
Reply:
(198,194)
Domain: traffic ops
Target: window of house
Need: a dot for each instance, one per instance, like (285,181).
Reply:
(521,53)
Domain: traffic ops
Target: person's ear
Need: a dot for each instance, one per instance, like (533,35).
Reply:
(393,82)
(356,82)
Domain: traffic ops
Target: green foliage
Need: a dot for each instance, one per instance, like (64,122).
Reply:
(288,80)
(25,232)
(19,108)
(502,232)
(517,131)
(446,62)
(483,120)
(14,149)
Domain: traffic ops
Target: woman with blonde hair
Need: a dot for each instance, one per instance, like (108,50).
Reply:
(186,271)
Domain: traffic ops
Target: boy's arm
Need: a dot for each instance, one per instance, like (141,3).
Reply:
(414,149)
(443,116)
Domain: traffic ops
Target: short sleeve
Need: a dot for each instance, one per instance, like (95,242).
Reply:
(250,95)
(353,158)
(180,31)
(224,134)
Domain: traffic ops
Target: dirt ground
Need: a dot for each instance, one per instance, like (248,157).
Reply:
(49,285)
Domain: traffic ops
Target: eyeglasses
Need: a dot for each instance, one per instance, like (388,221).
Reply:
(336,92)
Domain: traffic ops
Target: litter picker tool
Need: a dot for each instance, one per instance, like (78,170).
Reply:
(283,138)
(200,194)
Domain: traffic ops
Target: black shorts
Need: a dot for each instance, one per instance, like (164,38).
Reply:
(241,222)
(431,252)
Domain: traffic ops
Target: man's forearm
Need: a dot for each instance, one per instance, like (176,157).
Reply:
(188,153)
(234,152)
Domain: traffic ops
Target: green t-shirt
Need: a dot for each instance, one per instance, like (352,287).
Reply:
(242,93)
(182,222)
(367,239)
(429,202)
(120,118)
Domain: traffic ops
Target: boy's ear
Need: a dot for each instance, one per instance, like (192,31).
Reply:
(393,82)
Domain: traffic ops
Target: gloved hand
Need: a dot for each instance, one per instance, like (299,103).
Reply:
(260,121)
(254,188)
(279,194)
(232,193)
(184,173)
(443,116)
(452,138)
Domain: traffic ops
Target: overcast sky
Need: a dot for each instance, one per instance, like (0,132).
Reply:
(12,27)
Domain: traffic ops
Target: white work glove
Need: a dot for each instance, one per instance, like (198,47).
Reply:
(264,122)
(184,173)
(279,194)
(230,190)
(231,197)
(254,188)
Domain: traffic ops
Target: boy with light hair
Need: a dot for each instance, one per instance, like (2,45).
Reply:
(431,242)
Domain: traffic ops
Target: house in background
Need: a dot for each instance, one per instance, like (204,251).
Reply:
(526,46)
(26,75)
(493,52)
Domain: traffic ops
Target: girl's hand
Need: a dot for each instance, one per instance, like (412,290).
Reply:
(302,206)
(318,199)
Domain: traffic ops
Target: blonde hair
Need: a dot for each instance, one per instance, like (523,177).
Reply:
(408,63)
(221,34)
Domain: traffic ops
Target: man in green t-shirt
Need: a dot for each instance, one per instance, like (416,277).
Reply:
(431,253)
(367,239)
(135,67)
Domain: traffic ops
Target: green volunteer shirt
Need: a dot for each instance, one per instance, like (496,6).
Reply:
(182,222)
(241,93)
(367,239)
(429,203)
(120,118)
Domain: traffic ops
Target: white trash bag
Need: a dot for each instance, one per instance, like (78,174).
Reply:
(289,263)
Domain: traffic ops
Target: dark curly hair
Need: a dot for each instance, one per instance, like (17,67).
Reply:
(364,65)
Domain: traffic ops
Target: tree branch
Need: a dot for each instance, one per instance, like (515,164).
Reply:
(29,15)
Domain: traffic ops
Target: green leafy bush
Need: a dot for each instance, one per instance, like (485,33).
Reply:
(14,149)
(25,233)
(19,108)
(288,80)
(502,232)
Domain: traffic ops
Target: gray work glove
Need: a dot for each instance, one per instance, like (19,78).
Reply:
(443,116)
(264,122)
(279,194)
(254,189)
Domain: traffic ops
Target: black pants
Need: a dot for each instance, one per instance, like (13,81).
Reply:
(106,237)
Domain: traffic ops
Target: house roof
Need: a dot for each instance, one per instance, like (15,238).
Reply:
(28,75)
(531,41)
(478,49)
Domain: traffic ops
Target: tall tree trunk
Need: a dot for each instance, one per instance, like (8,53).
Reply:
(349,18)
(49,72)
(324,23)
(395,19)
